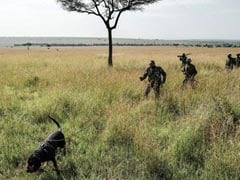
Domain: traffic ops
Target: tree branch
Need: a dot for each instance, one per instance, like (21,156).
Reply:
(99,13)
(119,14)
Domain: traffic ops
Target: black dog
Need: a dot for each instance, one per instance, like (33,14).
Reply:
(47,151)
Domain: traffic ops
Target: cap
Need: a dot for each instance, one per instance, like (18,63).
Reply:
(152,62)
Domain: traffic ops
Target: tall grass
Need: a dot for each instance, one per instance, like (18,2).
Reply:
(112,131)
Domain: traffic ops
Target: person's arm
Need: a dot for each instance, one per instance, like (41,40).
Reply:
(144,75)
(164,74)
(195,71)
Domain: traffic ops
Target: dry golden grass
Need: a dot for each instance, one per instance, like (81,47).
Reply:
(112,131)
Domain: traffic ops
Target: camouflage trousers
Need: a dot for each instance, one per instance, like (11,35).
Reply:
(155,85)
(189,81)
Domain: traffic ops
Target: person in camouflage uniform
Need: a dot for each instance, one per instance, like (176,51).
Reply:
(156,77)
(189,70)
(230,62)
(238,61)
(183,59)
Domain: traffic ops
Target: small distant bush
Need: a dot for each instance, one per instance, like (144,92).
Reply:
(32,82)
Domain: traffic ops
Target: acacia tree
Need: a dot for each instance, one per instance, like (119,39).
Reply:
(108,10)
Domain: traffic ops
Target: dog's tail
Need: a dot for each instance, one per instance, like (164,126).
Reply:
(55,121)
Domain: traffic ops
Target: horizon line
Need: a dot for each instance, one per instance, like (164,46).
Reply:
(152,39)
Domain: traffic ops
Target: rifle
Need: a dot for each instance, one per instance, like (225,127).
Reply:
(185,55)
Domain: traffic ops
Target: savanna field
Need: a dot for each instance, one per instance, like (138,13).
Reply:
(111,130)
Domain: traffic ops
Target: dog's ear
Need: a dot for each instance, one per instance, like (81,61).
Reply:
(33,163)
(37,166)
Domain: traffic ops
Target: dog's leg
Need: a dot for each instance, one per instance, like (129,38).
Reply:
(56,167)
(45,164)
(64,150)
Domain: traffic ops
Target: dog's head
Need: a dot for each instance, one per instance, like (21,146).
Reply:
(33,163)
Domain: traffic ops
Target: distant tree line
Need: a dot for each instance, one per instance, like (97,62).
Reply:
(224,45)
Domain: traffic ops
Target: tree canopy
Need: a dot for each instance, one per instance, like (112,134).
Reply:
(108,10)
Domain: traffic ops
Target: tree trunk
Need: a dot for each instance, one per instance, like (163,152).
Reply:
(110,47)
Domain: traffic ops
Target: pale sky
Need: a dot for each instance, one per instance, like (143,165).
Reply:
(168,19)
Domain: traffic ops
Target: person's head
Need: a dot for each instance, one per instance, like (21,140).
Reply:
(188,61)
(229,55)
(238,55)
(183,55)
(152,63)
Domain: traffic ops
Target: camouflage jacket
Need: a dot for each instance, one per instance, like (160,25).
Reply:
(155,74)
(230,62)
(183,59)
(189,70)
(238,61)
